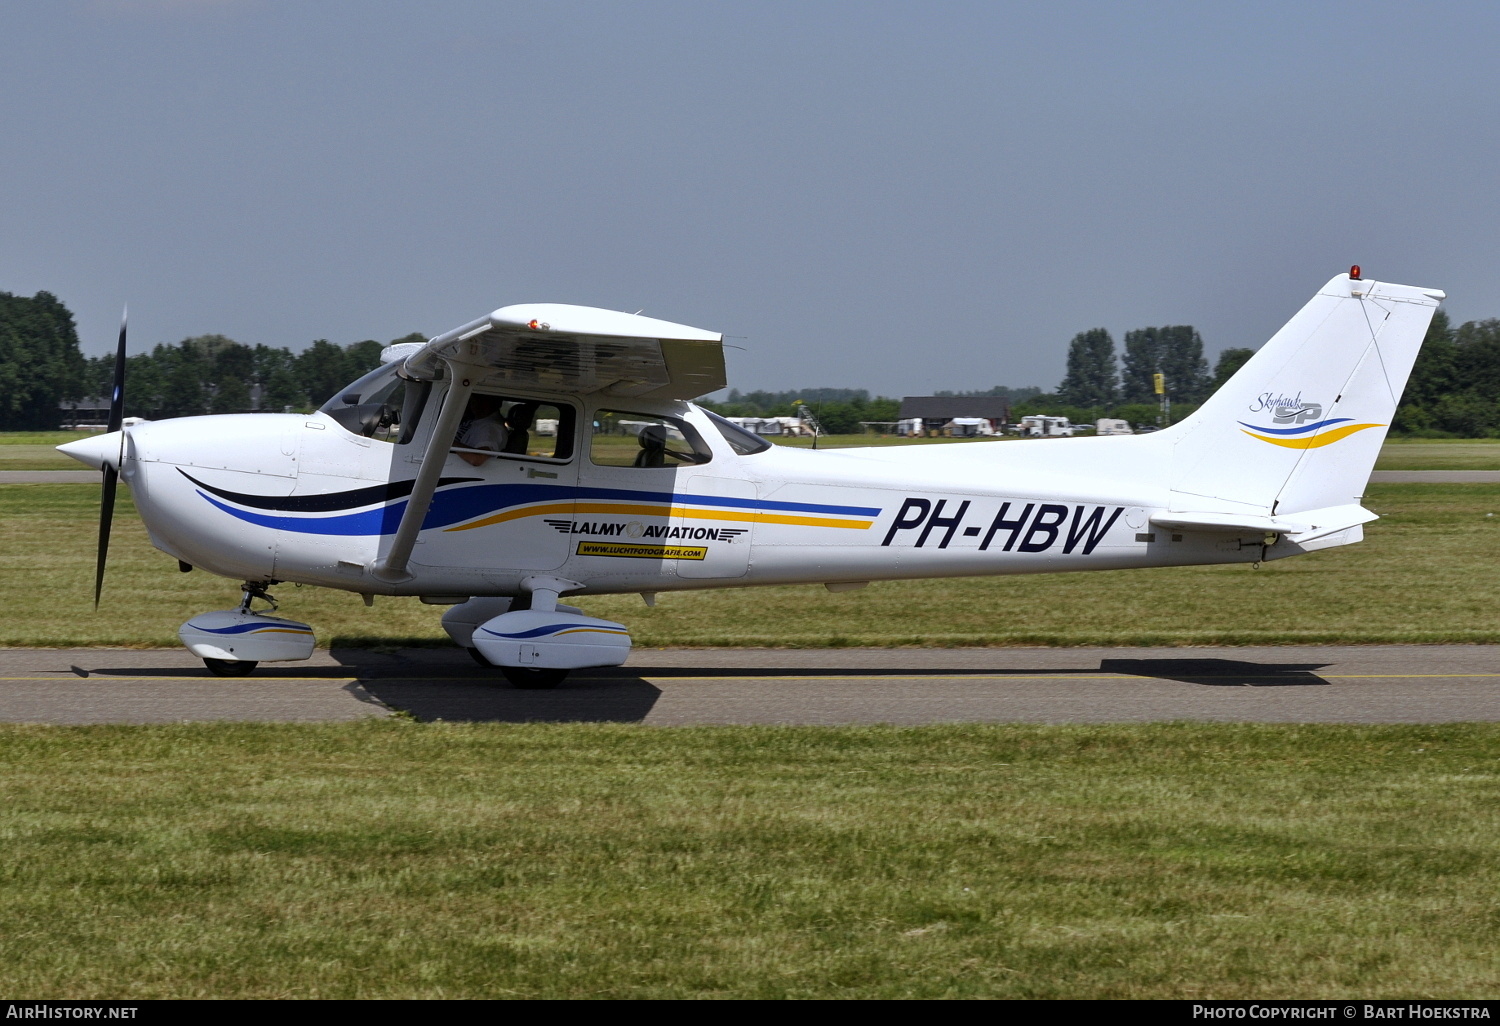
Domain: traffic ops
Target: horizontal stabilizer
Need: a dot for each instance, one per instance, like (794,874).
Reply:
(1302,527)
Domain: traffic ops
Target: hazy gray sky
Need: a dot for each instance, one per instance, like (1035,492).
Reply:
(900,197)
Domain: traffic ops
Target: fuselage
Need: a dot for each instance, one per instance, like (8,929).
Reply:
(303,498)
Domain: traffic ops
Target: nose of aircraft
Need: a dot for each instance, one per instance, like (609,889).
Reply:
(97,451)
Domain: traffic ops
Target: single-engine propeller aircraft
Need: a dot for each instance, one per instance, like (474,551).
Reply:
(545,450)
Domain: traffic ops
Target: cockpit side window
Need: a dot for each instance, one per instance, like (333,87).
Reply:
(511,427)
(624,439)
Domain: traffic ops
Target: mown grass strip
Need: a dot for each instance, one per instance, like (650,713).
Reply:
(394,859)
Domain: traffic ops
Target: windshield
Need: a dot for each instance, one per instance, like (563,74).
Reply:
(380,380)
(380,405)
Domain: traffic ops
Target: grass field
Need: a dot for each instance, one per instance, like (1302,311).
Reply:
(37,450)
(1426,454)
(1414,579)
(400,860)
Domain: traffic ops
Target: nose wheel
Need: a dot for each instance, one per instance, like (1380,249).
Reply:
(233,642)
(230,667)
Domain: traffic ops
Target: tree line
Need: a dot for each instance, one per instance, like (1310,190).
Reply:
(40,363)
(1454,389)
(214,374)
(41,367)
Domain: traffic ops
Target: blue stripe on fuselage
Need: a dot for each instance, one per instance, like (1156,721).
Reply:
(455,505)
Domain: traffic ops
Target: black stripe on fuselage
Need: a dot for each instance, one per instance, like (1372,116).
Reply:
(326,502)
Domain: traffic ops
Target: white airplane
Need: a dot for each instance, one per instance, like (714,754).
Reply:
(636,489)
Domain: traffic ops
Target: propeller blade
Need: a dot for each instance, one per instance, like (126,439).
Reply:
(106,517)
(111,473)
(117,396)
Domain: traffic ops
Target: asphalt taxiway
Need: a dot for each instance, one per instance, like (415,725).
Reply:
(671,687)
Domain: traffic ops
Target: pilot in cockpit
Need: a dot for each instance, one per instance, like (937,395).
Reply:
(518,428)
(653,441)
(481,428)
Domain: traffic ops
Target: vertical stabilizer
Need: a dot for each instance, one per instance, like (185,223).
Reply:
(1301,423)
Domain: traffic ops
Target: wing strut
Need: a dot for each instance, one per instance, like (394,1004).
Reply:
(393,567)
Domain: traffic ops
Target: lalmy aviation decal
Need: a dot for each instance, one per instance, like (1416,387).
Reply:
(655,548)
(1296,424)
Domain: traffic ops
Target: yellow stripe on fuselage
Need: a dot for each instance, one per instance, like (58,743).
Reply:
(1315,441)
(627,509)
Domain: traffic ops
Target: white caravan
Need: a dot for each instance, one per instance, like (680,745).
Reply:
(1039,426)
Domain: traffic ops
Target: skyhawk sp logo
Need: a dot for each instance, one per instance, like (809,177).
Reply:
(1298,425)
(1298,414)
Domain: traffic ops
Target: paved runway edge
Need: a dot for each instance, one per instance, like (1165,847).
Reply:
(676,687)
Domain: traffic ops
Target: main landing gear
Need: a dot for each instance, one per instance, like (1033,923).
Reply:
(527,678)
(231,667)
(532,638)
(233,642)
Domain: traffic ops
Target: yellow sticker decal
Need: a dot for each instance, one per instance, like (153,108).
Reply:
(629,551)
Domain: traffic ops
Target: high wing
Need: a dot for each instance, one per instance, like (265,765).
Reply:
(582,350)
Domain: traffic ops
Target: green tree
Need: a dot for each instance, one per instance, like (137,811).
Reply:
(1183,363)
(275,372)
(322,369)
(1092,379)
(1476,362)
(230,395)
(1229,361)
(40,363)
(362,357)
(1175,351)
(1428,405)
(1142,360)
(185,385)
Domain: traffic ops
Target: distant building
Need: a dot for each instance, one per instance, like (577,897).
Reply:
(936,412)
(84,414)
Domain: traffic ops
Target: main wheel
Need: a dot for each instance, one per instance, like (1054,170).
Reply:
(231,667)
(533,679)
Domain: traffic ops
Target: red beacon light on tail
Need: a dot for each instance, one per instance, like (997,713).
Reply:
(1354,273)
